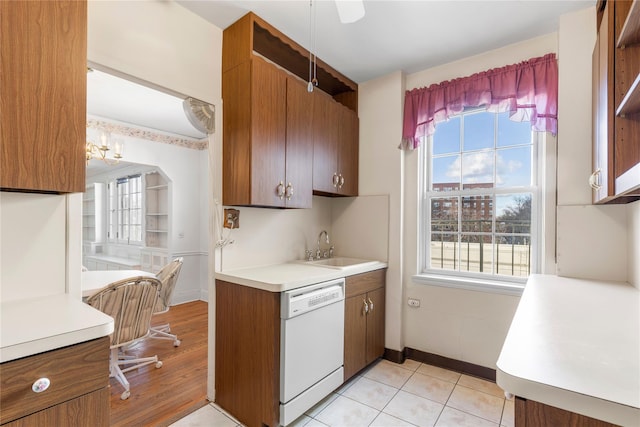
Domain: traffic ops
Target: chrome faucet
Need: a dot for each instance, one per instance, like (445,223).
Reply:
(318,253)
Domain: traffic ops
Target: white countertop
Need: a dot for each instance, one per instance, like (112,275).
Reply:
(284,277)
(575,344)
(36,325)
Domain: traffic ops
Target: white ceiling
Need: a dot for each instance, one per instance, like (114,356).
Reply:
(118,99)
(398,35)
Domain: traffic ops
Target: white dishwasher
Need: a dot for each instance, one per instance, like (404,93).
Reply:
(311,346)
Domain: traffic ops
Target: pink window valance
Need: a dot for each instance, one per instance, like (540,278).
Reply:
(527,90)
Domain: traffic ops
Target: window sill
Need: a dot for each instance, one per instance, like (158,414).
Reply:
(471,284)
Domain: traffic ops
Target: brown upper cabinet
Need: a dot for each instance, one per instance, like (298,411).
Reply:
(335,148)
(43,95)
(616,103)
(271,121)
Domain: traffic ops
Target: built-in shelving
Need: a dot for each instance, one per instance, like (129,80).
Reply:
(156,210)
(630,33)
(630,104)
(92,204)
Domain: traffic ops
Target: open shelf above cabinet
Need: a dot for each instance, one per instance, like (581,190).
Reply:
(630,33)
(630,104)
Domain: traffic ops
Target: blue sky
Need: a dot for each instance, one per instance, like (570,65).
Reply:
(510,167)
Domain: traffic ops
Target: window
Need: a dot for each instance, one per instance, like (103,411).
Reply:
(479,194)
(124,223)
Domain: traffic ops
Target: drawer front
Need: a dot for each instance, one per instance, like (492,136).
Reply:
(72,371)
(365,282)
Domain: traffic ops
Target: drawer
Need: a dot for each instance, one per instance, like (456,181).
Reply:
(365,282)
(73,371)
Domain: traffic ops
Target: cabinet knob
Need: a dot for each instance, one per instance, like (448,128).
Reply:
(41,385)
(336,180)
(289,191)
(365,309)
(594,179)
(280,190)
(340,181)
(370,304)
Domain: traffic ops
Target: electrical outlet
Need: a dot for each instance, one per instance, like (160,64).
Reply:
(413,302)
(231,218)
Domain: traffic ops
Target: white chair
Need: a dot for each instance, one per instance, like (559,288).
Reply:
(131,303)
(168,276)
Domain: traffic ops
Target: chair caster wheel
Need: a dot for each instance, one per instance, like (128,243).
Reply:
(176,343)
(158,364)
(125,395)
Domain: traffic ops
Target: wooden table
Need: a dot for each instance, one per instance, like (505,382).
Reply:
(93,281)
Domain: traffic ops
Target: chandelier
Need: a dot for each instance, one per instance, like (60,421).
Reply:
(95,151)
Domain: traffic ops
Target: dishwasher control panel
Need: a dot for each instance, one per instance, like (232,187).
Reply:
(307,298)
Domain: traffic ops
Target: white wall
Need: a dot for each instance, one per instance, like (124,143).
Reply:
(381,172)
(633,243)
(273,236)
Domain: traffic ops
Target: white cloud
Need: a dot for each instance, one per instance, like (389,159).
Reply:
(478,167)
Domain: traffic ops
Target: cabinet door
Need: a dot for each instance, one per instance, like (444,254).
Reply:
(43,95)
(325,143)
(268,143)
(355,331)
(603,110)
(299,157)
(348,151)
(375,325)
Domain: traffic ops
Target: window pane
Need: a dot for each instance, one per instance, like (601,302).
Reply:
(512,133)
(513,255)
(446,138)
(477,170)
(476,253)
(444,214)
(445,173)
(478,131)
(514,167)
(444,251)
(477,213)
(513,213)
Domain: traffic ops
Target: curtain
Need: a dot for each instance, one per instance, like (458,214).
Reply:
(527,90)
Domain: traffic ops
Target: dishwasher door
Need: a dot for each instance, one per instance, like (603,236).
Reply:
(312,347)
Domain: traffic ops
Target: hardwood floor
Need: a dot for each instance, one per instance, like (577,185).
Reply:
(162,396)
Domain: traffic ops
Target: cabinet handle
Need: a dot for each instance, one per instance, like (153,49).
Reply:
(365,309)
(336,180)
(280,190)
(41,385)
(340,181)
(289,191)
(370,305)
(594,179)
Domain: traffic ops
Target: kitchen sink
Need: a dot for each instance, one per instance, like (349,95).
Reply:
(340,263)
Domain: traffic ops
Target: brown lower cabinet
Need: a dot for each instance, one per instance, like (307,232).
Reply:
(78,394)
(364,320)
(529,413)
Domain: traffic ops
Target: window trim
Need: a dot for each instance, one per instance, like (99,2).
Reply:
(470,280)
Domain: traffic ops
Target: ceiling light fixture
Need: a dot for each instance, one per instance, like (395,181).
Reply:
(350,11)
(95,151)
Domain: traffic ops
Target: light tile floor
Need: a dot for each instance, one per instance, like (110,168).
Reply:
(390,395)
